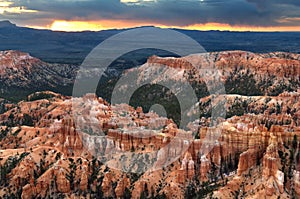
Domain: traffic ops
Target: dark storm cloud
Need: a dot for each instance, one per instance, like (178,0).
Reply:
(167,12)
(266,3)
(283,12)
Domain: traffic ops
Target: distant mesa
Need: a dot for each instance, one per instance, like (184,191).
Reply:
(6,24)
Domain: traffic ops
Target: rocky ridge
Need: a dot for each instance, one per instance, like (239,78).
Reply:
(22,74)
(240,72)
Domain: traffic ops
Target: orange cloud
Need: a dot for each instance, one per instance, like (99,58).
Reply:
(289,20)
(7,7)
(62,25)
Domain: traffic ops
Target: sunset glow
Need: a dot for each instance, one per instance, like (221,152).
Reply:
(95,15)
(227,27)
(62,25)
(75,26)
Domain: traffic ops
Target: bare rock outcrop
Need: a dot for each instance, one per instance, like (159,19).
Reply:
(205,167)
(272,175)
(187,170)
(63,185)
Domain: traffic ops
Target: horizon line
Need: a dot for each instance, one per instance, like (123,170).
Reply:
(214,27)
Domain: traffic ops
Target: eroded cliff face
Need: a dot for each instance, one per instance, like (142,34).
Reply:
(268,179)
(22,74)
(242,72)
(50,150)
(271,173)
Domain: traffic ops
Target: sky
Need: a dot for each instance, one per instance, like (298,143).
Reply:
(78,15)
